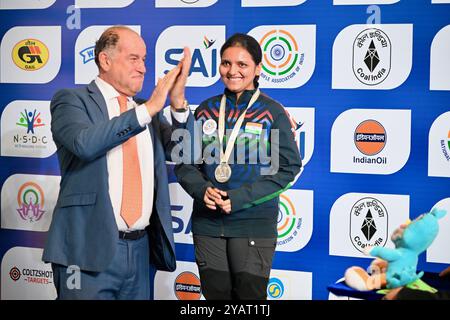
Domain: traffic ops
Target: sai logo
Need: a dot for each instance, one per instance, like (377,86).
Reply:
(372,56)
(275,288)
(368,223)
(187,286)
(30,54)
(30,199)
(288,54)
(204,41)
(303,118)
(289,223)
(370,138)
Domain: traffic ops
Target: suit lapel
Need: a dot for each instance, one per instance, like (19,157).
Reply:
(97,96)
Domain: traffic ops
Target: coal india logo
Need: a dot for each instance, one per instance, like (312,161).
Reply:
(187,286)
(30,54)
(281,56)
(372,56)
(30,199)
(289,223)
(368,223)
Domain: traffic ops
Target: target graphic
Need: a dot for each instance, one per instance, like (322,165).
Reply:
(287,219)
(14,273)
(280,52)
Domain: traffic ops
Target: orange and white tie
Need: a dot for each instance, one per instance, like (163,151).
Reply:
(131,209)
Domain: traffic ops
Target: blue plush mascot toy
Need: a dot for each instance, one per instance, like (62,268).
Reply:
(400,264)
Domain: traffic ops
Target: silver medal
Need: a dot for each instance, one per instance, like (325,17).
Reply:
(222,172)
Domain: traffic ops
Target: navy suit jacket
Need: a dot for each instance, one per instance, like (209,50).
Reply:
(83,231)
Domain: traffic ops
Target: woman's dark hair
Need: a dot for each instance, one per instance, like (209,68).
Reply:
(248,43)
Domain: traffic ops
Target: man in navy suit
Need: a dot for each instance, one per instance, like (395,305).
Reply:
(112,218)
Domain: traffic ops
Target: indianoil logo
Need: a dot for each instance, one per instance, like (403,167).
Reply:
(370,137)
(30,54)
(288,222)
(187,286)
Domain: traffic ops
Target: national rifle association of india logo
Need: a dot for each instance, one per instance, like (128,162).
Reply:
(288,221)
(30,199)
(281,56)
(30,54)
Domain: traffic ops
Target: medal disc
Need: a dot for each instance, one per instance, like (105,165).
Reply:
(222,172)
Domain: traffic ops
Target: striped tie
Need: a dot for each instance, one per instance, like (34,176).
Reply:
(131,209)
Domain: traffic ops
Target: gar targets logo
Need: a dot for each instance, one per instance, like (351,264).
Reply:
(368,223)
(275,288)
(288,54)
(30,54)
(372,56)
(187,286)
(30,199)
(370,137)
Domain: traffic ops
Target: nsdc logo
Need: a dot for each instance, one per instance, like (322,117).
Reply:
(289,223)
(30,120)
(30,54)
(372,56)
(30,199)
(275,288)
(204,42)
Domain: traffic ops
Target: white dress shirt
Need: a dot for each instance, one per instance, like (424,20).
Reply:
(145,155)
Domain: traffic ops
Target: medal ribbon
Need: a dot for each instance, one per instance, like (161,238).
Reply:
(225,156)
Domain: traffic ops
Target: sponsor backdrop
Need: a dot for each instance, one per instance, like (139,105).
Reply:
(368,81)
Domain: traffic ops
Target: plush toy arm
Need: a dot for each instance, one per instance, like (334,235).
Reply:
(385,253)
